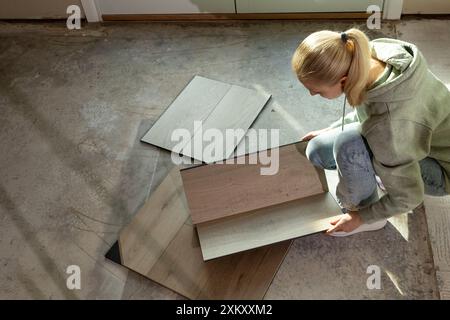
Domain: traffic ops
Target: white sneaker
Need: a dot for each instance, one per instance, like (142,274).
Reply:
(377,225)
(380,183)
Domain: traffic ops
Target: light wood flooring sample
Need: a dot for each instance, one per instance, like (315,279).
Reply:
(216,191)
(268,225)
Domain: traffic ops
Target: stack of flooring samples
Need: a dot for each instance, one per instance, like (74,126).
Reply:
(161,244)
(232,207)
(235,208)
(217,105)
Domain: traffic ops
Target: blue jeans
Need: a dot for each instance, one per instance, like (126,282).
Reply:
(348,152)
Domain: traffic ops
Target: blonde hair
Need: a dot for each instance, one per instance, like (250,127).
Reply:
(325,57)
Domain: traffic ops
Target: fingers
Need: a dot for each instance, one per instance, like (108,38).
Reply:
(306,138)
(337,225)
(309,136)
(335,228)
(345,223)
(333,222)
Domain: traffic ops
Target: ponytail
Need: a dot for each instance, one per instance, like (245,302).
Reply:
(326,56)
(358,74)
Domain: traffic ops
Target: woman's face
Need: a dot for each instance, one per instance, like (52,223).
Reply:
(326,91)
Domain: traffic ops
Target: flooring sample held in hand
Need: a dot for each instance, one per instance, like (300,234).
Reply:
(161,244)
(219,106)
(216,190)
(235,208)
(266,226)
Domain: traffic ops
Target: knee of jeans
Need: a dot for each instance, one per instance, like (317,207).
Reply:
(348,145)
(316,154)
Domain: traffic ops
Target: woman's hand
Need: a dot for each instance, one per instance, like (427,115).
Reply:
(346,222)
(313,134)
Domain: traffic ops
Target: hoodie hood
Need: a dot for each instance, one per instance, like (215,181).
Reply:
(409,64)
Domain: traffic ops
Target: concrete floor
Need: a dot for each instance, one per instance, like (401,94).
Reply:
(73,106)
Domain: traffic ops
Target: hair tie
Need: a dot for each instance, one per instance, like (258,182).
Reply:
(344,37)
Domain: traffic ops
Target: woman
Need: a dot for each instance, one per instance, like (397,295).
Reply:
(399,130)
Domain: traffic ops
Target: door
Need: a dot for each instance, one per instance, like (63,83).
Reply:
(36,9)
(165,6)
(283,6)
(424,7)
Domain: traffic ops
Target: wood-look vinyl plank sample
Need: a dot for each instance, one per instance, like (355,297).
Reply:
(268,225)
(215,191)
(161,244)
(218,105)
(149,233)
(245,275)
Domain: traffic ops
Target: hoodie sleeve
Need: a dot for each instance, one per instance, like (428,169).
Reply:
(349,118)
(397,146)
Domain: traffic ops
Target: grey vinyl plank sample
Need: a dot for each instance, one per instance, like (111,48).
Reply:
(237,110)
(218,105)
(195,102)
(267,226)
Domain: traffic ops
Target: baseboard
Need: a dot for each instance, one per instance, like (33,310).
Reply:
(236,16)
(414,16)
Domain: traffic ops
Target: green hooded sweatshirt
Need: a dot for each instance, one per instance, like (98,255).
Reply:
(405,118)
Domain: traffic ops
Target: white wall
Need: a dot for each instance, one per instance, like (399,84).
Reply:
(281,6)
(165,6)
(227,6)
(36,9)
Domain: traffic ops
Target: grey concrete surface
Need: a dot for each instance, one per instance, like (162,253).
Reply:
(73,106)
(323,267)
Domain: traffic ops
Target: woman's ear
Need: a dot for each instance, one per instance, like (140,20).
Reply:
(342,81)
